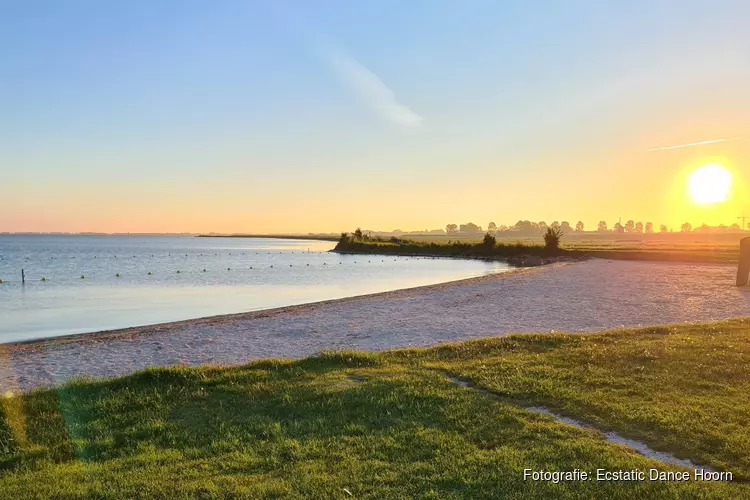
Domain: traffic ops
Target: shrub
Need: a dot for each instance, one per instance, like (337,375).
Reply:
(489,240)
(552,238)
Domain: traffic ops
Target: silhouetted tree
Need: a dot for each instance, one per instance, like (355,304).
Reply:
(663,228)
(565,226)
(344,238)
(619,228)
(639,227)
(629,226)
(489,240)
(358,235)
(470,227)
(542,225)
(552,238)
(602,226)
(649,227)
(686,227)
(524,226)
(451,228)
(555,225)
(492,227)
(579,226)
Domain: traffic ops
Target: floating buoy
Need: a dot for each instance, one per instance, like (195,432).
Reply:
(149,273)
(83,277)
(290,265)
(43,278)
(251,267)
(308,264)
(203,271)
(178,271)
(325,264)
(228,269)
(271,266)
(1,281)
(117,275)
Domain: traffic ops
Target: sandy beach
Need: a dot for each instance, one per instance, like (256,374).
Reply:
(572,297)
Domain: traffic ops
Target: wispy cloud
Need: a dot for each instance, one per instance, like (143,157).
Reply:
(692,144)
(372,91)
(365,84)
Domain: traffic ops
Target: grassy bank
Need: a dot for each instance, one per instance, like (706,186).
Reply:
(517,249)
(391,425)
(452,249)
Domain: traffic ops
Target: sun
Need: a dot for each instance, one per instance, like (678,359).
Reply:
(709,184)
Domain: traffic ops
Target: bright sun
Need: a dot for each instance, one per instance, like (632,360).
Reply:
(709,184)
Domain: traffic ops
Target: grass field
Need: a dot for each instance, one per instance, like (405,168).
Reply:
(693,247)
(392,425)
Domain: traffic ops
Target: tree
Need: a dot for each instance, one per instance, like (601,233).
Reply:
(542,225)
(629,226)
(602,226)
(489,240)
(555,225)
(579,226)
(358,235)
(470,227)
(451,228)
(686,227)
(649,227)
(639,227)
(663,228)
(565,226)
(735,226)
(492,227)
(619,228)
(552,238)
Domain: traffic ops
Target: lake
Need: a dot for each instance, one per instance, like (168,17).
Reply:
(170,278)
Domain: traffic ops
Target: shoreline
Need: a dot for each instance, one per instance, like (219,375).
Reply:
(157,328)
(271,236)
(581,297)
(570,256)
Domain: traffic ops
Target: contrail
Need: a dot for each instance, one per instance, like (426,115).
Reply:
(701,143)
(373,92)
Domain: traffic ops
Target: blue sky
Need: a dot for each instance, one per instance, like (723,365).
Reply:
(242,116)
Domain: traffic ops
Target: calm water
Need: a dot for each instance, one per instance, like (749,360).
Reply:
(240,274)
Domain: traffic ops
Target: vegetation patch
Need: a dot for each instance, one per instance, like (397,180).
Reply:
(391,425)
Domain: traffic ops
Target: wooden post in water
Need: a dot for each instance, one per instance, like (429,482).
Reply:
(743,268)
(23,277)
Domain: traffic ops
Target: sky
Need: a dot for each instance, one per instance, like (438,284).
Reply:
(322,116)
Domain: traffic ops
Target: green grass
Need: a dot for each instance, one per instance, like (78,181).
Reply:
(391,425)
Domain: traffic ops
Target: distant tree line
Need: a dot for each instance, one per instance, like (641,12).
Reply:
(526,227)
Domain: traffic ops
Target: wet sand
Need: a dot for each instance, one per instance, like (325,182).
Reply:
(576,297)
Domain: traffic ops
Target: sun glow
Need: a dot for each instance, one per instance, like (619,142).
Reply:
(709,184)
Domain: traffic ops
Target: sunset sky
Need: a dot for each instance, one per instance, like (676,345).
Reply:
(314,115)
